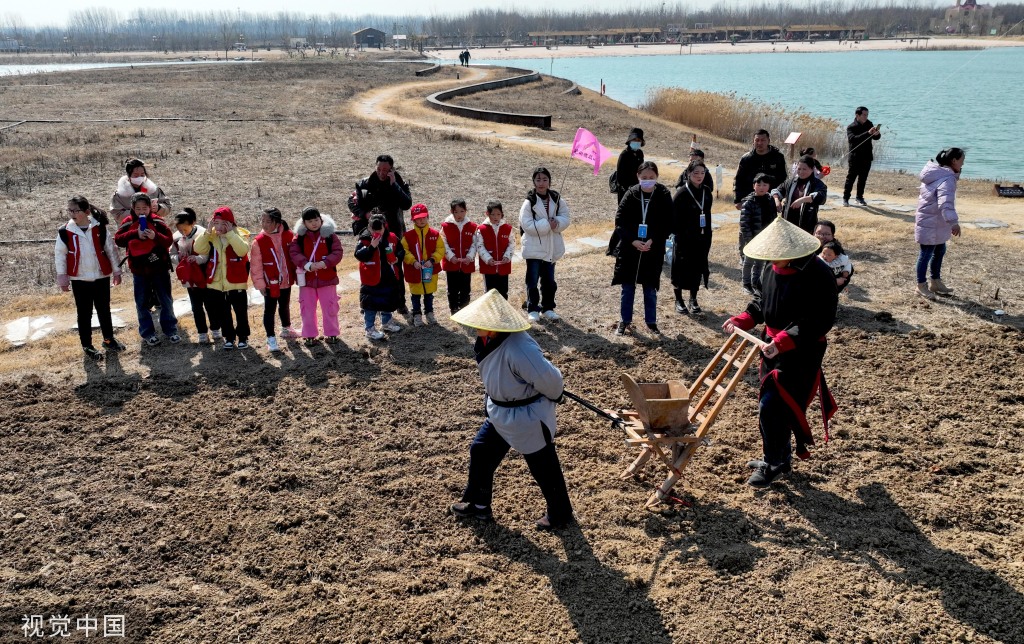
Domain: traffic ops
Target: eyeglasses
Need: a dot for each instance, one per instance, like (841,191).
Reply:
(72,211)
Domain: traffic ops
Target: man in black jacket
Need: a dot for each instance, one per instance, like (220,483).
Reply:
(384,191)
(860,133)
(764,158)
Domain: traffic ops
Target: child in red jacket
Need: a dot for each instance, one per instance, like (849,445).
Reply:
(316,252)
(495,245)
(459,255)
(147,240)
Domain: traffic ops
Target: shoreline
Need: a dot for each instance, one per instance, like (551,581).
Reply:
(766,47)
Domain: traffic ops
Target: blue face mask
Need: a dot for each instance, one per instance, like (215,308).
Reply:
(648,184)
(634,145)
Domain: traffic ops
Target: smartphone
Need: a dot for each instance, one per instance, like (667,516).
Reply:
(143,223)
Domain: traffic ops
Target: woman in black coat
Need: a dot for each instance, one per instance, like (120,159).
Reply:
(691,224)
(629,163)
(800,196)
(642,224)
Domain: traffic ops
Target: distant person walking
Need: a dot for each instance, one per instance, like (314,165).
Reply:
(936,220)
(860,133)
(765,158)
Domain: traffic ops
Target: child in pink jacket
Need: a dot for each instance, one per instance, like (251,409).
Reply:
(316,252)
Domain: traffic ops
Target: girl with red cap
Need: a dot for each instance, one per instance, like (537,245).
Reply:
(224,251)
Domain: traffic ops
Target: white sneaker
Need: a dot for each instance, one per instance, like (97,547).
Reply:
(288,332)
(272,344)
(551,315)
(216,335)
(534,316)
(391,327)
(204,338)
(374,334)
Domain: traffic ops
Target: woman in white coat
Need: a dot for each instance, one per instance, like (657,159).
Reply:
(542,219)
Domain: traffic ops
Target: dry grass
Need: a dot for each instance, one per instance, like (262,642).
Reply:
(732,117)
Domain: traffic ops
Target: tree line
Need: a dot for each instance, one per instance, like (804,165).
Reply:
(105,30)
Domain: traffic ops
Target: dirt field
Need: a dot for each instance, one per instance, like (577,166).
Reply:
(217,497)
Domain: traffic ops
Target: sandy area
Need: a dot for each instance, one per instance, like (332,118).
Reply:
(219,496)
(820,46)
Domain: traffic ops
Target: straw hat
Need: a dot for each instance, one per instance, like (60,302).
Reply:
(781,240)
(492,312)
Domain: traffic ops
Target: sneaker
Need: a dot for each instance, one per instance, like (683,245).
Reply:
(272,344)
(203,338)
(216,335)
(374,334)
(309,342)
(391,327)
(922,290)
(861,202)
(152,340)
(936,286)
(763,476)
(534,316)
(471,511)
(417,319)
(622,328)
(654,328)
(174,338)
(695,308)
(551,315)
(846,202)
(756,464)
(681,308)
(332,339)
(288,332)
(92,352)
(229,345)
(430,318)
(242,344)
(112,344)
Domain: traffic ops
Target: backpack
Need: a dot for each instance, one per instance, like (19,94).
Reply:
(613,182)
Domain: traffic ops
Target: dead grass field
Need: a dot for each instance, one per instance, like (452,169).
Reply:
(214,496)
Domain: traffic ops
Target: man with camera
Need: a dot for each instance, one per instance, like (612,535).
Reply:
(860,133)
(385,191)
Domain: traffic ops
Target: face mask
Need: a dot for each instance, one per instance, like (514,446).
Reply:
(648,184)
(138,181)
(634,145)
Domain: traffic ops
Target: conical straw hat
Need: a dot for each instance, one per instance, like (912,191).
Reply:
(492,312)
(781,240)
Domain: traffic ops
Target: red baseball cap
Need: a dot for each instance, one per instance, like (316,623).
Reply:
(419,211)
(224,213)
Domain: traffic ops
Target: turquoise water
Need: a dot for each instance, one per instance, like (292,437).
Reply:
(18,70)
(925,100)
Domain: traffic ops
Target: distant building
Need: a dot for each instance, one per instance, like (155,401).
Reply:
(968,17)
(368,37)
(297,43)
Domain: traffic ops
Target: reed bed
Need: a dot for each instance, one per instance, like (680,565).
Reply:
(736,118)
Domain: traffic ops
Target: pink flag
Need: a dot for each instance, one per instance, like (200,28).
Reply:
(586,147)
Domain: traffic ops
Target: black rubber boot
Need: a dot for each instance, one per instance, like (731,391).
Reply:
(680,307)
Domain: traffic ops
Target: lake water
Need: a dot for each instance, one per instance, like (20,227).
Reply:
(18,70)
(925,100)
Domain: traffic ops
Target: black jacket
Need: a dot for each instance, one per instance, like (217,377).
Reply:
(632,266)
(860,140)
(389,199)
(772,163)
(693,241)
(807,216)
(755,213)
(625,170)
(386,295)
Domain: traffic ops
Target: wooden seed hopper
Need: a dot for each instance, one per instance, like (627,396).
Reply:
(670,421)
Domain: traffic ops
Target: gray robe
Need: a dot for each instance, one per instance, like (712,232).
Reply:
(516,370)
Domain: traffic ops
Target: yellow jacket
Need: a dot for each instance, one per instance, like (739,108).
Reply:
(437,256)
(209,241)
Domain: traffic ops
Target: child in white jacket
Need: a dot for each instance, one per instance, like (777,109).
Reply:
(542,219)
(87,261)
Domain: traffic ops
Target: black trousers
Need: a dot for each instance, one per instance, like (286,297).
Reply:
(87,296)
(499,282)
(226,302)
(459,286)
(487,451)
(202,309)
(281,304)
(859,169)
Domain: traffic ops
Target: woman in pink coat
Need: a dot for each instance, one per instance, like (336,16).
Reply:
(936,220)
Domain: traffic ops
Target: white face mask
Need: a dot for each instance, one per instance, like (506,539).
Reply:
(648,184)
(634,145)
(138,181)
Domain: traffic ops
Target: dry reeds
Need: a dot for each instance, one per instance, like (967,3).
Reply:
(736,118)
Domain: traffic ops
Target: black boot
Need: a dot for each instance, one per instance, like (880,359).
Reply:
(680,307)
(694,307)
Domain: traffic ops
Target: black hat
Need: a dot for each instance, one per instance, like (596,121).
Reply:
(636,134)
(310,213)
